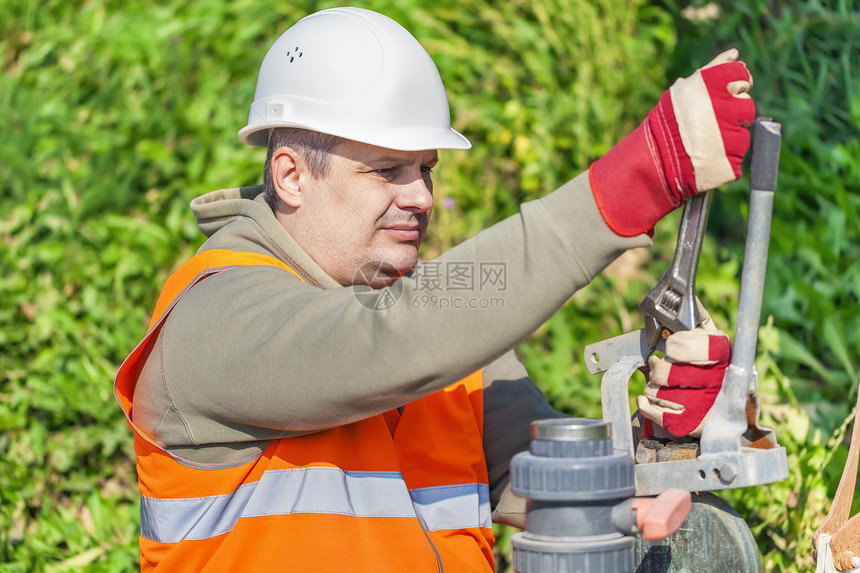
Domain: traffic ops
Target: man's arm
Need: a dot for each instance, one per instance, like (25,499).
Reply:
(253,353)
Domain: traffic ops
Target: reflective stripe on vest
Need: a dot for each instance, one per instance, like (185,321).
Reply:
(316,490)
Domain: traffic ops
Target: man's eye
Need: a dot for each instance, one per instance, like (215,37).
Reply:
(387,171)
(426,169)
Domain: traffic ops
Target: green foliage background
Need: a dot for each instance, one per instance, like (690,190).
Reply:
(115,115)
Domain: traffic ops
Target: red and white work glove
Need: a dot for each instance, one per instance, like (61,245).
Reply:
(683,385)
(694,140)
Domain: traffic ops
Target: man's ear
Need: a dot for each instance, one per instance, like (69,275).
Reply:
(286,170)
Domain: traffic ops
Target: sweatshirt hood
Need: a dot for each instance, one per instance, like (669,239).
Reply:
(217,209)
(253,228)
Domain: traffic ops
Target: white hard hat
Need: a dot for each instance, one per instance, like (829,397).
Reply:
(355,74)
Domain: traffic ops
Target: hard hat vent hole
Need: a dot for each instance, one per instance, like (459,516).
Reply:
(293,54)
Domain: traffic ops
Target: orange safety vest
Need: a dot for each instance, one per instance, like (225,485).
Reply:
(400,491)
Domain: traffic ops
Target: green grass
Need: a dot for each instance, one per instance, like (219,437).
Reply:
(116,114)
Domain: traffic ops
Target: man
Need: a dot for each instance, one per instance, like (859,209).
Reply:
(288,417)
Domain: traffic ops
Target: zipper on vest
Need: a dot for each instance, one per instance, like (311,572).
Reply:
(433,547)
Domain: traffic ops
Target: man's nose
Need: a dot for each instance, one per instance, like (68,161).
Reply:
(416,196)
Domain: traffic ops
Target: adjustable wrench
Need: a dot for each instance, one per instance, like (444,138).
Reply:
(671,304)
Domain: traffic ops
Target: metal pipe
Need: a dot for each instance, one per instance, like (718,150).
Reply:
(763,177)
(740,378)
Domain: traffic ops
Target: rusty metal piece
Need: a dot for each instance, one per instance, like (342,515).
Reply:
(765,442)
(756,436)
(845,542)
(846,560)
(845,532)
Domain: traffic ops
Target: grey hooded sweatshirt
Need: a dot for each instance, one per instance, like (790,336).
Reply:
(254,354)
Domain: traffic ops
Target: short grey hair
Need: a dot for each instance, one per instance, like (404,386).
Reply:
(315,148)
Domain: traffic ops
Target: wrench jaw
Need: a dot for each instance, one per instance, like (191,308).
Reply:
(670,306)
(653,331)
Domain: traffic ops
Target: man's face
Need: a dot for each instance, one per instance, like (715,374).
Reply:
(364,221)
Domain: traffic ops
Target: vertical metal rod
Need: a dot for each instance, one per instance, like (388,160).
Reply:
(729,410)
(763,177)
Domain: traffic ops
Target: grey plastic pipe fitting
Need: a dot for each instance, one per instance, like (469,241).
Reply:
(579,515)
